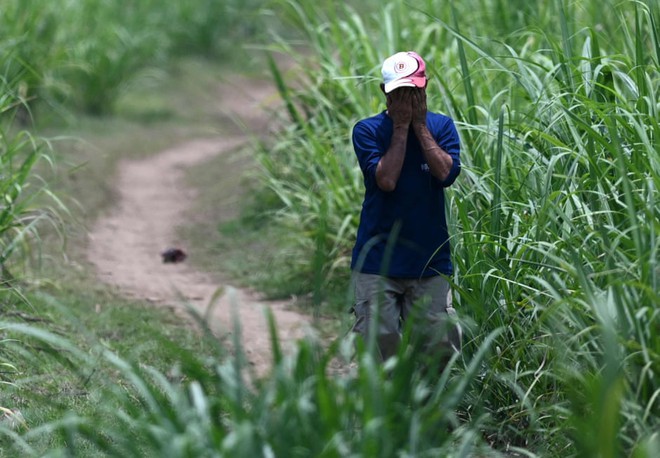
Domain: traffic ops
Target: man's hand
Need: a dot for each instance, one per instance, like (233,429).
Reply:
(418,98)
(400,107)
(438,160)
(400,110)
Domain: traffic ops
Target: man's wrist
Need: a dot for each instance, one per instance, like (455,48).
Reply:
(418,125)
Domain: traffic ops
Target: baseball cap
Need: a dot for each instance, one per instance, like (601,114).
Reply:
(404,69)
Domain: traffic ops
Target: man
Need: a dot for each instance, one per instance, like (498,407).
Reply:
(408,155)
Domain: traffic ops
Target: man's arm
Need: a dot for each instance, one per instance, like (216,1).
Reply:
(439,161)
(388,170)
(389,167)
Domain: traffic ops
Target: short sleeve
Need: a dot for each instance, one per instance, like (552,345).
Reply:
(367,150)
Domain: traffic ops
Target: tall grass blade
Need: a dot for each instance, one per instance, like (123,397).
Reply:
(465,70)
(497,185)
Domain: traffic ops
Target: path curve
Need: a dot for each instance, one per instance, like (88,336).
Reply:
(125,244)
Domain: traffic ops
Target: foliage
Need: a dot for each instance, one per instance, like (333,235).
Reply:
(20,188)
(82,53)
(554,222)
(554,218)
(211,408)
(22,214)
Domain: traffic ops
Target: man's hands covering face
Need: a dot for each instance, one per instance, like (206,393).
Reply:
(407,105)
(418,106)
(400,106)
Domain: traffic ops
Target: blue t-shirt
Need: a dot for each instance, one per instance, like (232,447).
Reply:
(403,233)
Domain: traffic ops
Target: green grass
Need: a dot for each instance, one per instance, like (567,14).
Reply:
(554,222)
(57,293)
(82,54)
(49,380)
(554,216)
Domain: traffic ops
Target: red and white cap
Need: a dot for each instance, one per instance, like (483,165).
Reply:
(404,69)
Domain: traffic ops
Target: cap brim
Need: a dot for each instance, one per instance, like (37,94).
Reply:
(405,82)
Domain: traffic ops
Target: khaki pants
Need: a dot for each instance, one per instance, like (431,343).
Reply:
(424,304)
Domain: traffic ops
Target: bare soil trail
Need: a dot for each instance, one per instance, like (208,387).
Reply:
(126,242)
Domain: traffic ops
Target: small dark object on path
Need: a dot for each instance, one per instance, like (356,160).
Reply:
(173,255)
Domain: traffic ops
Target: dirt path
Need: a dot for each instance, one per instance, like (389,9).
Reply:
(125,244)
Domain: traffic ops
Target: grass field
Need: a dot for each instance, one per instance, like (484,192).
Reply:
(56,291)
(554,225)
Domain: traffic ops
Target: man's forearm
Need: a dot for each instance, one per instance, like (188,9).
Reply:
(439,161)
(389,167)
